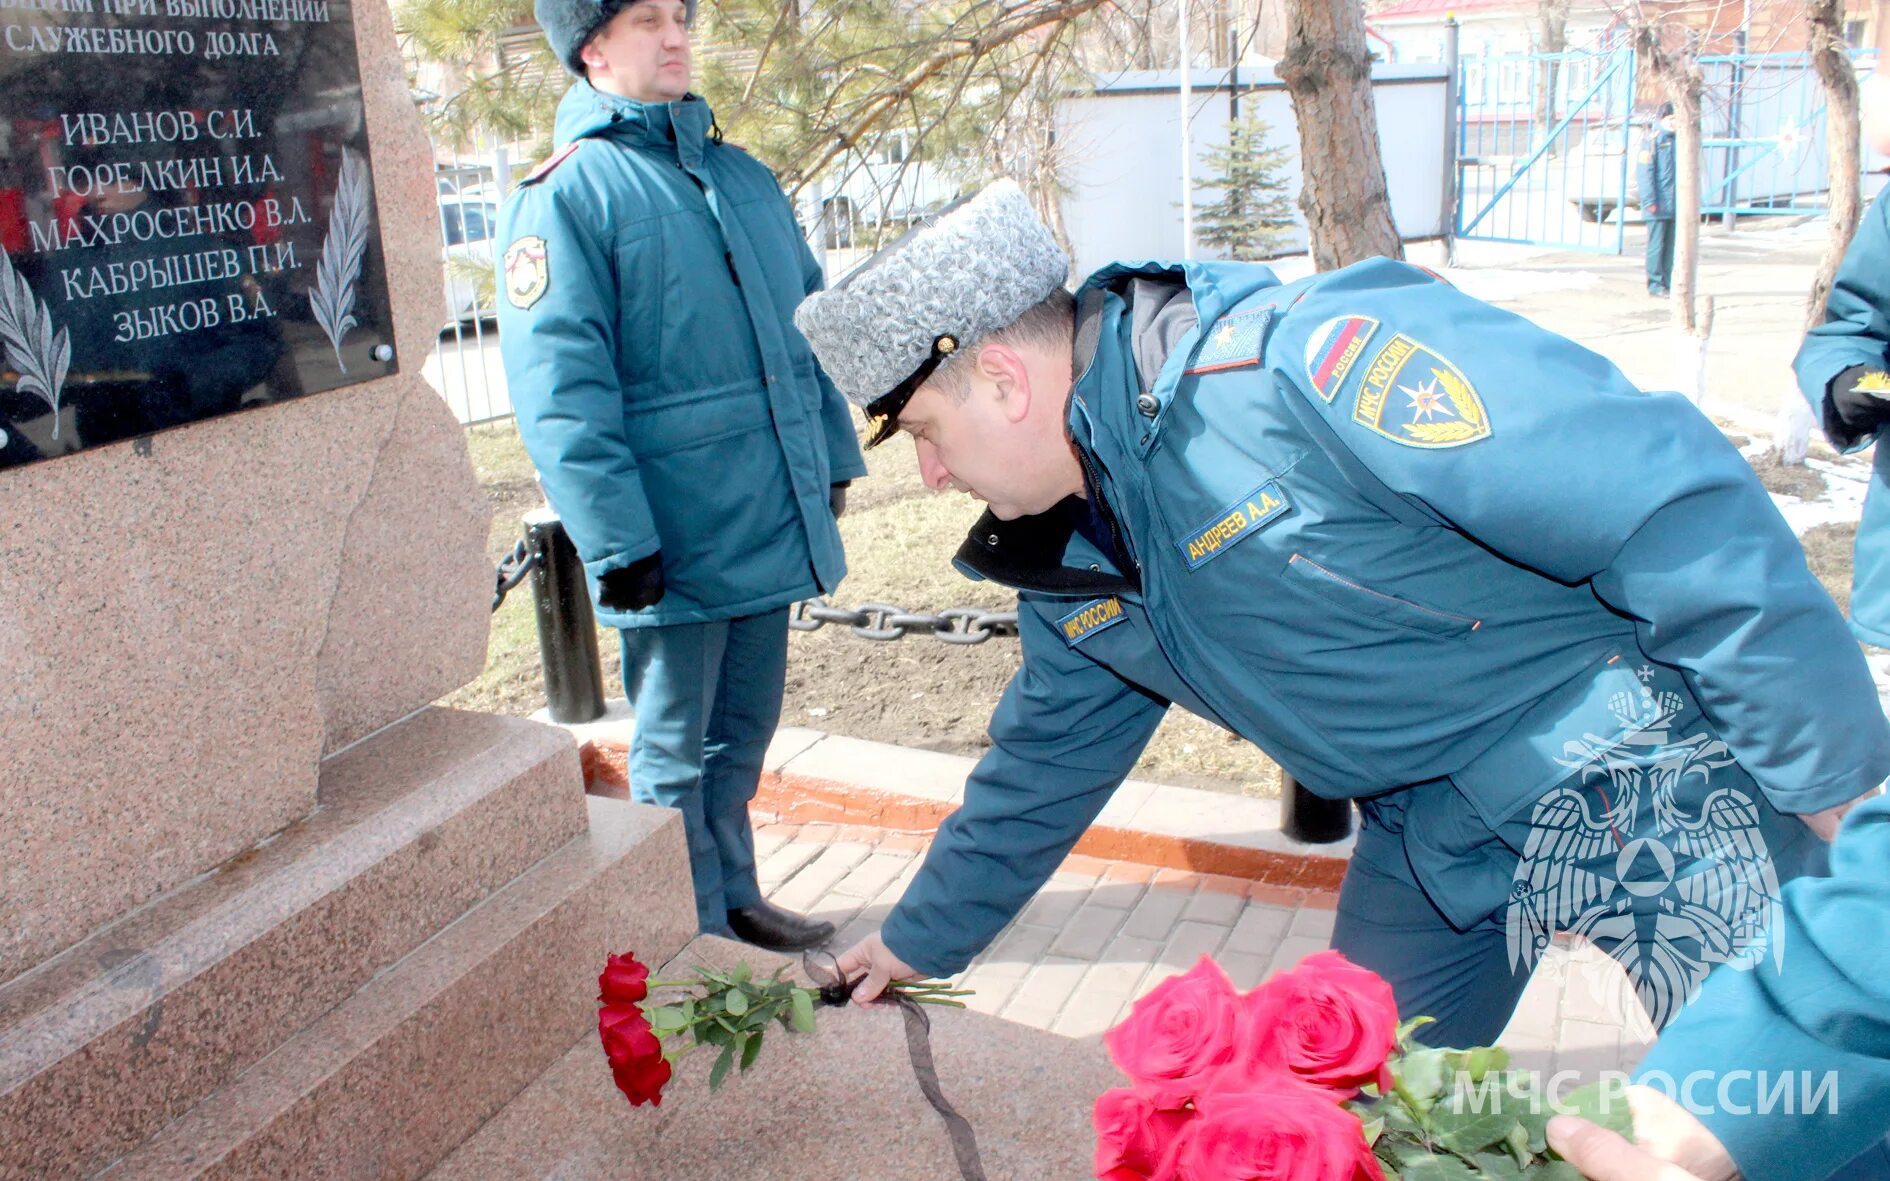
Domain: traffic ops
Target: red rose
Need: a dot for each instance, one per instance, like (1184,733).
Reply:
(1178,1036)
(1134,1138)
(623,981)
(1279,1131)
(1328,1021)
(642,1081)
(635,1053)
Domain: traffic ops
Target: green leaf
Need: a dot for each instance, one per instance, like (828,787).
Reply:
(1464,1131)
(719,1071)
(1497,1166)
(667,1019)
(714,1034)
(1374,1129)
(1483,1060)
(736,1002)
(803,1003)
(1555,1170)
(742,973)
(1406,1029)
(1437,1168)
(751,1049)
(1420,1077)
(1602,1103)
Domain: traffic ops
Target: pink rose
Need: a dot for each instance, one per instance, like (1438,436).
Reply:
(1329,1022)
(1279,1131)
(1134,1138)
(1178,1036)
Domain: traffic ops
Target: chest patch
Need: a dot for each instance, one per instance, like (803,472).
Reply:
(1089,619)
(1412,395)
(1246,516)
(1234,341)
(1334,350)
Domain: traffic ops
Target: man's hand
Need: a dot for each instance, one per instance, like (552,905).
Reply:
(1827,822)
(634,587)
(881,966)
(837,497)
(1670,1145)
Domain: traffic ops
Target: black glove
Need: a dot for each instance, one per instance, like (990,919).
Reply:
(837,498)
(1857,404)
(634,587)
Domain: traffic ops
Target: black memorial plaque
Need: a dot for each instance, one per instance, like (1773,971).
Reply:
(187,210)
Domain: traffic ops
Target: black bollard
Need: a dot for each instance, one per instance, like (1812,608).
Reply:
(567,631)
(1312,819)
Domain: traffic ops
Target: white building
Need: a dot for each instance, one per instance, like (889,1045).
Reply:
(1121,149)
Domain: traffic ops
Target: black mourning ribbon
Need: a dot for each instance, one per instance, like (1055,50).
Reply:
(836,989)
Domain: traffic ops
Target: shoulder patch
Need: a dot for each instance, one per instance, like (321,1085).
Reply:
(552,161)
(1234,341)
(527,271)
(1334,349)
(1089,619)
(1413,395)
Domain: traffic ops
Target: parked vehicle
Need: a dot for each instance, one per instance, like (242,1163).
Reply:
(468,220)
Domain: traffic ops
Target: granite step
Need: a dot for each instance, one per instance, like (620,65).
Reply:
(387,1083)
(147,1016)
(838,1103)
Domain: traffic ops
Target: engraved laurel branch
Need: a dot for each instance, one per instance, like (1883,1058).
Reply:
(40,355)
(332,297)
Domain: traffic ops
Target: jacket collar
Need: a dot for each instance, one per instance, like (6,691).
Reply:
(683,128)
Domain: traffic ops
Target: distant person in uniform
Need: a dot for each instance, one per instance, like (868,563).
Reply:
(1548,630)
(1656,176)
(697,454)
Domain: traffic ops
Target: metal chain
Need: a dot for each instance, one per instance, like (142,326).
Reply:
(883,621)
(512,571)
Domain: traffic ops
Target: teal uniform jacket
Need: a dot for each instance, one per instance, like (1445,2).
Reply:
(1657,176)
(1404,542)
(647,291)
(1822,1029)
(1856,331)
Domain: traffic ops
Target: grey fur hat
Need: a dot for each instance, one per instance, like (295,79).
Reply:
(973,269)
(568,24)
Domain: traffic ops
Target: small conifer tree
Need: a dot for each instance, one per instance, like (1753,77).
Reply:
(1252,216)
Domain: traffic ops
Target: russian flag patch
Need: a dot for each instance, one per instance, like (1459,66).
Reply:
(1334,349)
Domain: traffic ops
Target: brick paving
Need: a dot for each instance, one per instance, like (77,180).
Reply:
(1103,933)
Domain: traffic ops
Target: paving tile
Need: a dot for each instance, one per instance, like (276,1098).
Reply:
(819,875)
(785,862)
(1186,945)
(1244,969)
(870,877)
(1087,932)
(1259,929)
(1058,901)
(1212,904)
(991,990)
(1293,949)
(1013,952)
(1155,916)
(1316,923)
(1044,992)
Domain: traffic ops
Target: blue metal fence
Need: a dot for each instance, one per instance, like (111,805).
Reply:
(1763,147)
(1543,142)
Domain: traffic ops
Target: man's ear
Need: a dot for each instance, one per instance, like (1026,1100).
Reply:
(1005,368)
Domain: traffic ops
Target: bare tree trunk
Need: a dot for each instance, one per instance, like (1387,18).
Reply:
(1551,37)
(1842,134)
(1328,73)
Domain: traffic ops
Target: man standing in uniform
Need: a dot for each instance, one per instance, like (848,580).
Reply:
(1548,630)
(1844,370)
(680,423)
(1657,200)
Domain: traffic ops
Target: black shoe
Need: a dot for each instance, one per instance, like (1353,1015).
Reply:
(776,929)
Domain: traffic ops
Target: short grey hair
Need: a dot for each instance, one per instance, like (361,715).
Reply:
(1049,324)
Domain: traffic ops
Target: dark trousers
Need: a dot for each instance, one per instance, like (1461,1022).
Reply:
(1659,255)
